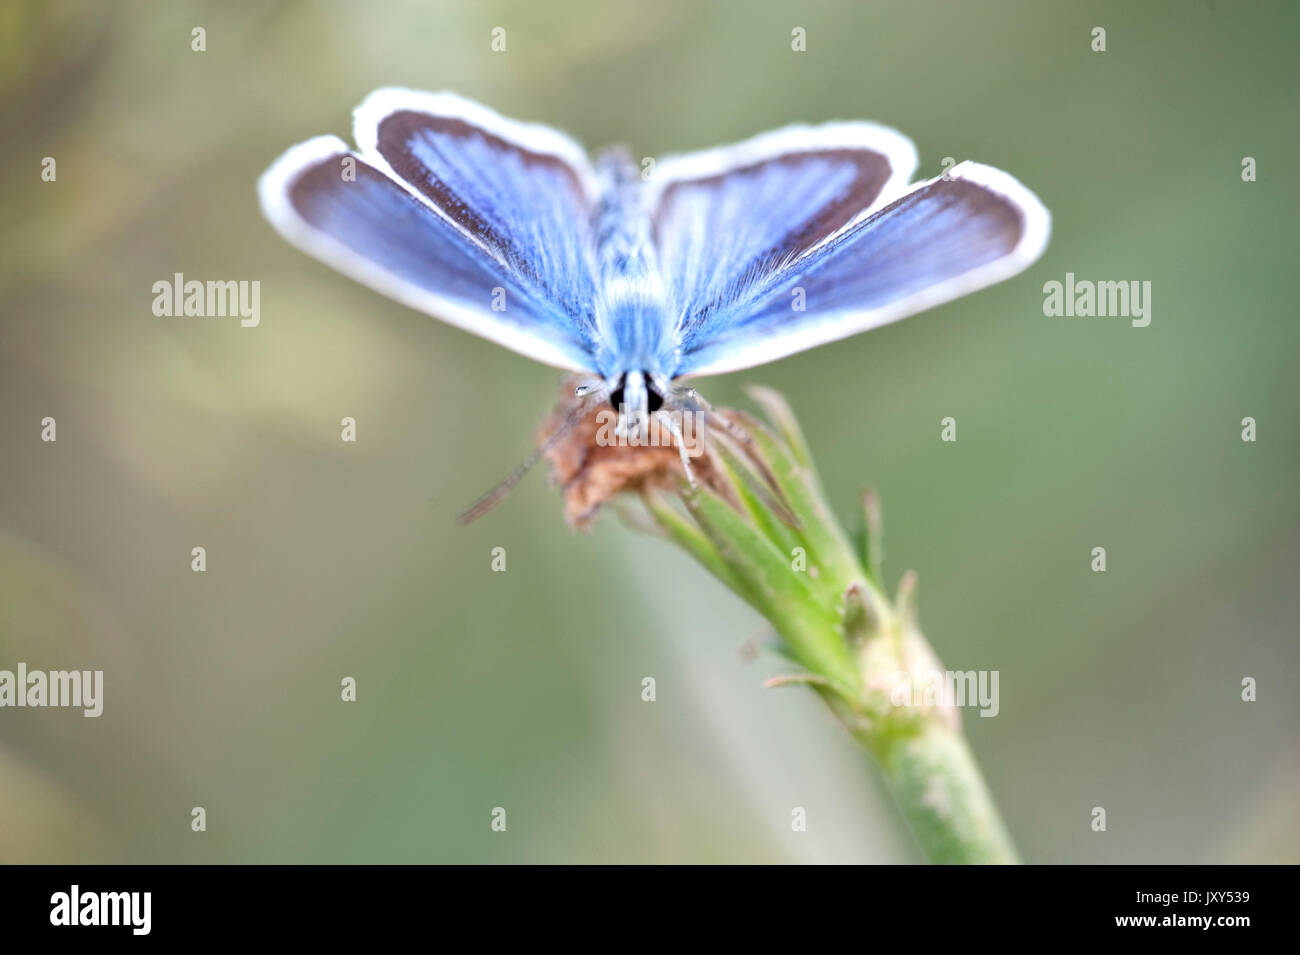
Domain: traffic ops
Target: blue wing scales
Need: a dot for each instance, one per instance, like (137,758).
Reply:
(938,241)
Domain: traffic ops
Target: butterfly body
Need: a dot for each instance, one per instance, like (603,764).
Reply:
(632,317)
(718,261)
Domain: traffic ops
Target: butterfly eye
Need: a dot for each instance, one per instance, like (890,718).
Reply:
(654,400)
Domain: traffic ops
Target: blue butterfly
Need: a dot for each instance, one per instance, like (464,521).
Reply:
(640,277)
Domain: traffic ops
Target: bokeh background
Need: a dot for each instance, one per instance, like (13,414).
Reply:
(522,689)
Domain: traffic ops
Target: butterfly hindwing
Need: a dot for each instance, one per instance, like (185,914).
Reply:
(938,241)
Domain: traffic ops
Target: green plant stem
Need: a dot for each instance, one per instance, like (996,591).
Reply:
(943,796)
(765,530)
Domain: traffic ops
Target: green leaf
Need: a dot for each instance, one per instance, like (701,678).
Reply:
(697,545)
(828,549)
(873,537)
(808,626)
(778,411)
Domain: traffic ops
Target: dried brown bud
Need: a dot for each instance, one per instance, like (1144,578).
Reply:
(591,469)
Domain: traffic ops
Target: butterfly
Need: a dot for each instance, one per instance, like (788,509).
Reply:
(640,276)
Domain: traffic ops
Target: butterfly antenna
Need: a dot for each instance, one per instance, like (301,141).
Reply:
(507,484)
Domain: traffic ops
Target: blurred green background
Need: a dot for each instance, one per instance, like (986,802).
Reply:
(522,690)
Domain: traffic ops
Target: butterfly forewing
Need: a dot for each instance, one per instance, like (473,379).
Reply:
(335,205)
(940,240)
(524,193)
(726,220)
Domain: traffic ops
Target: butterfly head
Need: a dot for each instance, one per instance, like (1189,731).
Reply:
(636,391)
(636,395)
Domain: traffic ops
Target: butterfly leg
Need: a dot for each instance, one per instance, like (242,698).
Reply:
(694,400)
(667,420)
(691,402)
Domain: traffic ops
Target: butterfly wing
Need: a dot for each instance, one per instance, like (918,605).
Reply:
(455,211)
(739,239)
(726,220)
